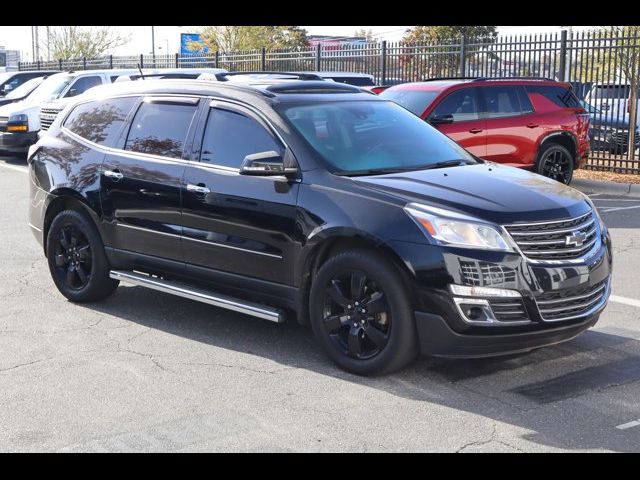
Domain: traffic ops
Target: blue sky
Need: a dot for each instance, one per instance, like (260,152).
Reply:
(19,37)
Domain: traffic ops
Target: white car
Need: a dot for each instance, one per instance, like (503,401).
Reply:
(612,99)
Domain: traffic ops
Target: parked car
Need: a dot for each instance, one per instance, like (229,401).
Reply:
(20,122)
(23,91)
(11,80)
(316,199)
(525,123)
(350,78)
(609,133)
(612,99)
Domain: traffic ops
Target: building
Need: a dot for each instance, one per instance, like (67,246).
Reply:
(9,59)
(329,42)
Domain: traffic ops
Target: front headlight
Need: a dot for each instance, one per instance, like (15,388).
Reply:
(457,230)
(18,123)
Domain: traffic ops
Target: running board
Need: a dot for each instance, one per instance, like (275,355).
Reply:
(200,295)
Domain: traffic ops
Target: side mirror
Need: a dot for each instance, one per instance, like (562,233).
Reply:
(268,164)
(440,119)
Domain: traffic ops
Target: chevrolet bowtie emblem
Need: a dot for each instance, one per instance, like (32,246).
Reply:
(575,239)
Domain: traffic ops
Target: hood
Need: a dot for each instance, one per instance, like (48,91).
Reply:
(17,108)
(490,191)
(58,104)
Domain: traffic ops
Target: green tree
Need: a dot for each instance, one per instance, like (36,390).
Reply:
(227,39)
(437,33)
(367,34)
(76,42)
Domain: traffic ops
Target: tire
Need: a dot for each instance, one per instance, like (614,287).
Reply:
(378,341)
(81,275)
(556,162)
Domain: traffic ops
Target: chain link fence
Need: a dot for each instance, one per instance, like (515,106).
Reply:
(602,66)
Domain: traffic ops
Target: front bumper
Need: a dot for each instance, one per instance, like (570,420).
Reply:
(17,142)
(444,330)
(437,338)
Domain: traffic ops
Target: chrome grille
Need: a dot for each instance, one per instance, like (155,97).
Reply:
(3,123)
(557,240)
(572,303)
(47,117)
(508,310)
(485,274)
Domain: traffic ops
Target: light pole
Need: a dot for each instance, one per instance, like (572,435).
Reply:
(153,45)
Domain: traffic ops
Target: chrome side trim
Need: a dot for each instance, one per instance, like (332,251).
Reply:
(215,244)
(199,295)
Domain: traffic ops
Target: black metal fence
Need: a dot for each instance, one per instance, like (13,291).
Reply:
(602,66)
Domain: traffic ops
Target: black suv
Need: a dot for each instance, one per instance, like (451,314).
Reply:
(313,200)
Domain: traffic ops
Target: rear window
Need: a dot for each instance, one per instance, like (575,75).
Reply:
(416,101)
(561,96)
(100,121)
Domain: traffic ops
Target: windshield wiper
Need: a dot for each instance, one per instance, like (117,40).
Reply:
(372,171)
(446,164)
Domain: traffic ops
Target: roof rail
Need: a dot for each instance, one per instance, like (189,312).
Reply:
(435,79)
(298,75)
(482,79)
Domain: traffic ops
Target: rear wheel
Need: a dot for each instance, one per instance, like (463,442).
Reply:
(77,260)
(361,314)
(556,162)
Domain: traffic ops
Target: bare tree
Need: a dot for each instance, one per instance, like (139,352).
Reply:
(68,42)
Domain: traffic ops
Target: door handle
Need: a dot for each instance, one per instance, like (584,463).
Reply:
(532,125)
(115,174)
(198,189)
(475,130)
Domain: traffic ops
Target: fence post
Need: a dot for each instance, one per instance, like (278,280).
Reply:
(463,55)
(264,59)
(318,53)
(141,60)
(383,63)
(84,63)
(111,62)
(176,60)
(38,63)
(60,64)
(563,55)
(217,58)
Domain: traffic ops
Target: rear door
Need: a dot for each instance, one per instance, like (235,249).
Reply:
(512,127)
(237,223)
(140,183)
(468,128)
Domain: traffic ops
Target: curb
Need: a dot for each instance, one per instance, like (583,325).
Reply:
(608,188)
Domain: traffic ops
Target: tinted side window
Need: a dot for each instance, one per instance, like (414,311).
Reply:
(160,129)
(101,121)
(501,101)
(231,136)
(462,104)
(83,84)
(561,96)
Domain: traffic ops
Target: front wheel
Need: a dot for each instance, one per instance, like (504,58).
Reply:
(77,260)
(556,162)
(361,313)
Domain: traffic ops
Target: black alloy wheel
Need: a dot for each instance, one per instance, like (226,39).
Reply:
(556,162)
(356,315)
(72,257)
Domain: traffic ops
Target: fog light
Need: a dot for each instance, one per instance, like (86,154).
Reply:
(475,310)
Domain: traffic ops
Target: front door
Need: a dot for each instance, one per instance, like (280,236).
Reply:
(468,130)
(141,183)
(236,223)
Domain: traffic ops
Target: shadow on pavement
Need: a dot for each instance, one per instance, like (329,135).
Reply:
(515,390)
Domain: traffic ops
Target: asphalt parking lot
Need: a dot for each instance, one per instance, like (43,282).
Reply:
(145,371)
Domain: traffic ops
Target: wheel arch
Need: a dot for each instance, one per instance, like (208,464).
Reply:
(563,138)
(330,243)
(65,199)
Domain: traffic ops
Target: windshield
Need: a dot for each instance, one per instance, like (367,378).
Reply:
(416,101)
(359,136)
(51,88)
(26,88)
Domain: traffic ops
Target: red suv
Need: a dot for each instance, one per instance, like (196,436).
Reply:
(535,124)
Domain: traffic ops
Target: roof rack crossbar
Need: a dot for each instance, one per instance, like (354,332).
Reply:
(482,79)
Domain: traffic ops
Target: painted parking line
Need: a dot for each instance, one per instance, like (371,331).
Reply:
(17,168)
(627,301)
(627,425)
(615,209)
(616,200)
